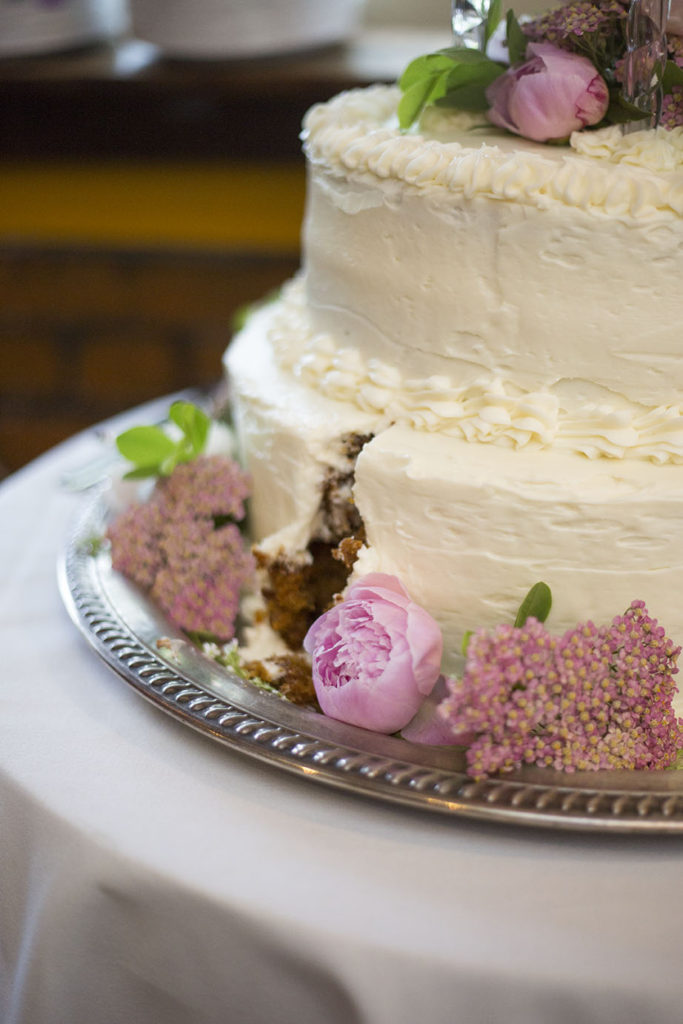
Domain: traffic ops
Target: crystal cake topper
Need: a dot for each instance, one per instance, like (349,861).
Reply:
(468,18)
(645,59)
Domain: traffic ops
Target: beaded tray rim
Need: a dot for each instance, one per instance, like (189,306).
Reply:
(122,627)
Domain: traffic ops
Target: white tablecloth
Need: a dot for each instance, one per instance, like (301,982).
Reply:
(148,874)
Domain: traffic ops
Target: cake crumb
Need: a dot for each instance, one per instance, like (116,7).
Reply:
(352,444)
(347,550)
(290,674)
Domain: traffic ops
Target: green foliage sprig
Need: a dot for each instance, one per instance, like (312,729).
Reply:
(516,40)
(454,77)
(154,453)
(536,604)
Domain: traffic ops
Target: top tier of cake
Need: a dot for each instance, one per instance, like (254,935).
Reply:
(466,281)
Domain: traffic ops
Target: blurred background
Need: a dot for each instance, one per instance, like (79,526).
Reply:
(152,185)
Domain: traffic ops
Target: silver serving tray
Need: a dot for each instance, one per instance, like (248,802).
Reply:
(123,628)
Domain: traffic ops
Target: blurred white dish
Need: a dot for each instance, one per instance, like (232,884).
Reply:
(39,26)
(213,29)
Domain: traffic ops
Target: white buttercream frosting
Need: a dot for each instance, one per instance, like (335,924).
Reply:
(572,416)
(471,527)
(467,527)
(358,132)
(288,438)
(504,319)
(503,266)
(659,150)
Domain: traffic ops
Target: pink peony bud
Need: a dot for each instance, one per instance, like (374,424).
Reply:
(376,655)
(551,95)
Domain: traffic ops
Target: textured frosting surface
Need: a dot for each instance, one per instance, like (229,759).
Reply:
(477,526)
(572,416)
(544,275)
(357,132)
(468,527)
(503,318)
(288,437)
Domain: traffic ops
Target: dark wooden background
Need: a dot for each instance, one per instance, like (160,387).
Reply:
(93,323)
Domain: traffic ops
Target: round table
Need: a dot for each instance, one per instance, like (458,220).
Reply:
(150,874)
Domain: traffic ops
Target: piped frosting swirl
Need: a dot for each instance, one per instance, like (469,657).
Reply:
(639,175)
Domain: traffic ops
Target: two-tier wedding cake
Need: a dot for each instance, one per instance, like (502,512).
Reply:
(476,375)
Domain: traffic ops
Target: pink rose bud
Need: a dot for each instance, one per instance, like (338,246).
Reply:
(549,96)
(375,656)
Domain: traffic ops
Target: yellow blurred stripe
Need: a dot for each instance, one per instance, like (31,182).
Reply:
(210,205)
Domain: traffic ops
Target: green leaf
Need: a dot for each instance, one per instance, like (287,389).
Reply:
(467,636)
(425,67)
(199,434)
(481,72)
(199,637)
(181,414)
(516,40)
(673,75)
(620,111)
(154,453)
(439,77)
(493,19)
(167,465)
(223,520)
(464,55)
(418,96)
(142,472)
(145,446)
(536,604)
(467,84)
(468,97)
(193,422)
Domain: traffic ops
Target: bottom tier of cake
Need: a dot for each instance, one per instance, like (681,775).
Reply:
(467,527)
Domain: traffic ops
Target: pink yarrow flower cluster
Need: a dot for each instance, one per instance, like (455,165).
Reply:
(595,698)
(568,25)
(672,109)
(183,545)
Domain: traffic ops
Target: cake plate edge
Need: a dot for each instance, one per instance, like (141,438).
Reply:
(122,627)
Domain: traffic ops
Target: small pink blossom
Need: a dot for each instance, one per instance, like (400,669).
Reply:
(549,96)
(375,656)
